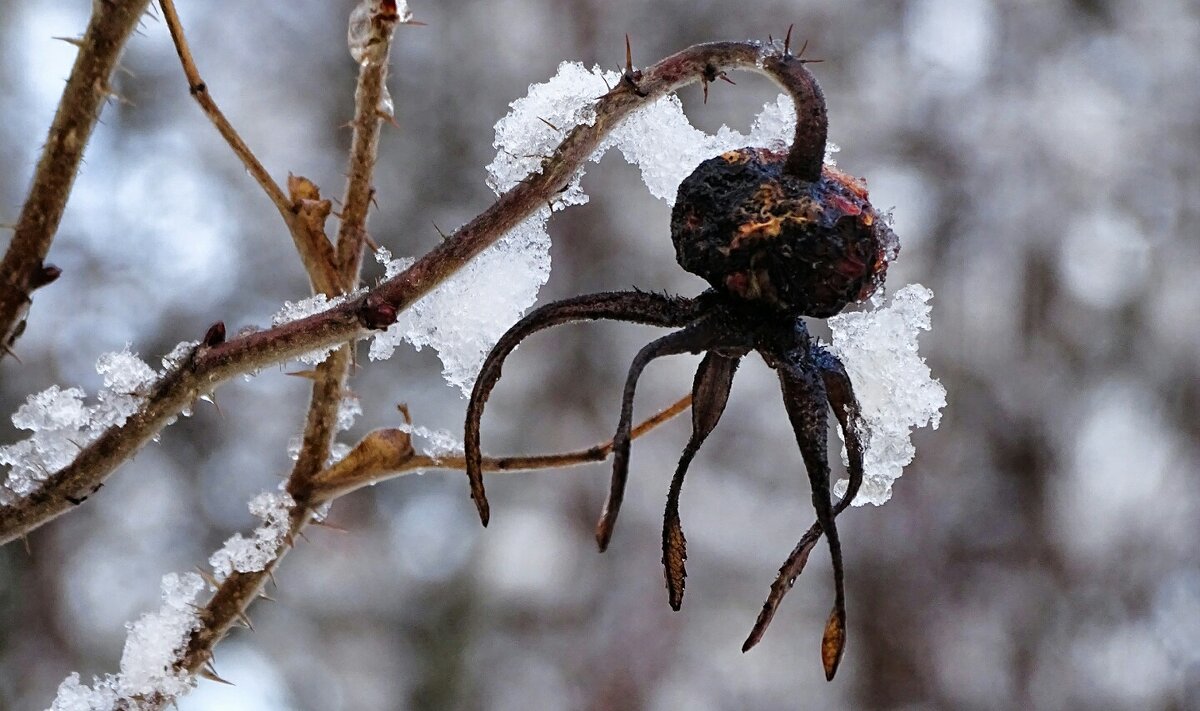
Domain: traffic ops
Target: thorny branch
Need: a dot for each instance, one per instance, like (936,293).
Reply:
(381,455)
(211,366)
(22,268)
(372,25)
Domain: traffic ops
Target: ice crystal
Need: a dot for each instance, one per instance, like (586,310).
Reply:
(892,383)
(439,443)
(245,555)
(466,314)
(154,645)
(294,311)
(62,423)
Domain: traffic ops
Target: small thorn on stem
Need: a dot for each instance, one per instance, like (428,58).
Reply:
(548,123)
(787,41)
(325,524)
(631,77)
(215,335)
(208,577)
(208,672)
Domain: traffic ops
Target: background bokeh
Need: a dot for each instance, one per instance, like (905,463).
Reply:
(1040,552)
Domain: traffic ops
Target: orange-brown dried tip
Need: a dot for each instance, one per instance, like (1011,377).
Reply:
(833,643)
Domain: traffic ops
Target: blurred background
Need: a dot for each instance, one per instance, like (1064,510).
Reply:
(1040,552)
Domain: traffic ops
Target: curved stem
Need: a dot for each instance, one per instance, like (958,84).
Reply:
(840,394)
(807,153)
(632,306)
(699,336)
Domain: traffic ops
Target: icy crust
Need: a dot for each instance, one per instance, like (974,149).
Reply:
(154,645)
(247,555)
(464,317)
(892,382)
(62,422)
(438,443)
(296,310)
(158,640)
(348,411)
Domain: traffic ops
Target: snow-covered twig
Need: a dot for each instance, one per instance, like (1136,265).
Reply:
(241,576)
(170,659)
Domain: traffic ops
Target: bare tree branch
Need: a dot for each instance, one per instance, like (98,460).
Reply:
(22,268)
(370,39)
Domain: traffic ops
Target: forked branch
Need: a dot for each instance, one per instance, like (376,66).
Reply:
(311,243)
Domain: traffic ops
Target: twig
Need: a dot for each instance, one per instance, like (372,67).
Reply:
(234,595)
(22,270)
(210,367)
(388,454)
(372,50)
(311,244)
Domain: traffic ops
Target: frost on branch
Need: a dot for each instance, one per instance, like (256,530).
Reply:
(439,443)
(464,317)
(892,382)
(246,555)
(294,311)
(157,641)
(154,645)
(62,423)
(348,411)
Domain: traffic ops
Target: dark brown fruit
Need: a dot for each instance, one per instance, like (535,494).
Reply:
(759,234)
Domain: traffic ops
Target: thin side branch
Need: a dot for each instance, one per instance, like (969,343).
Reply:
(311,243)
(372,51)
(388,454)
(22,269)
(210,367)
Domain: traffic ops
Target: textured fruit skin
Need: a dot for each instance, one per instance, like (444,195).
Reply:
(761,235)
